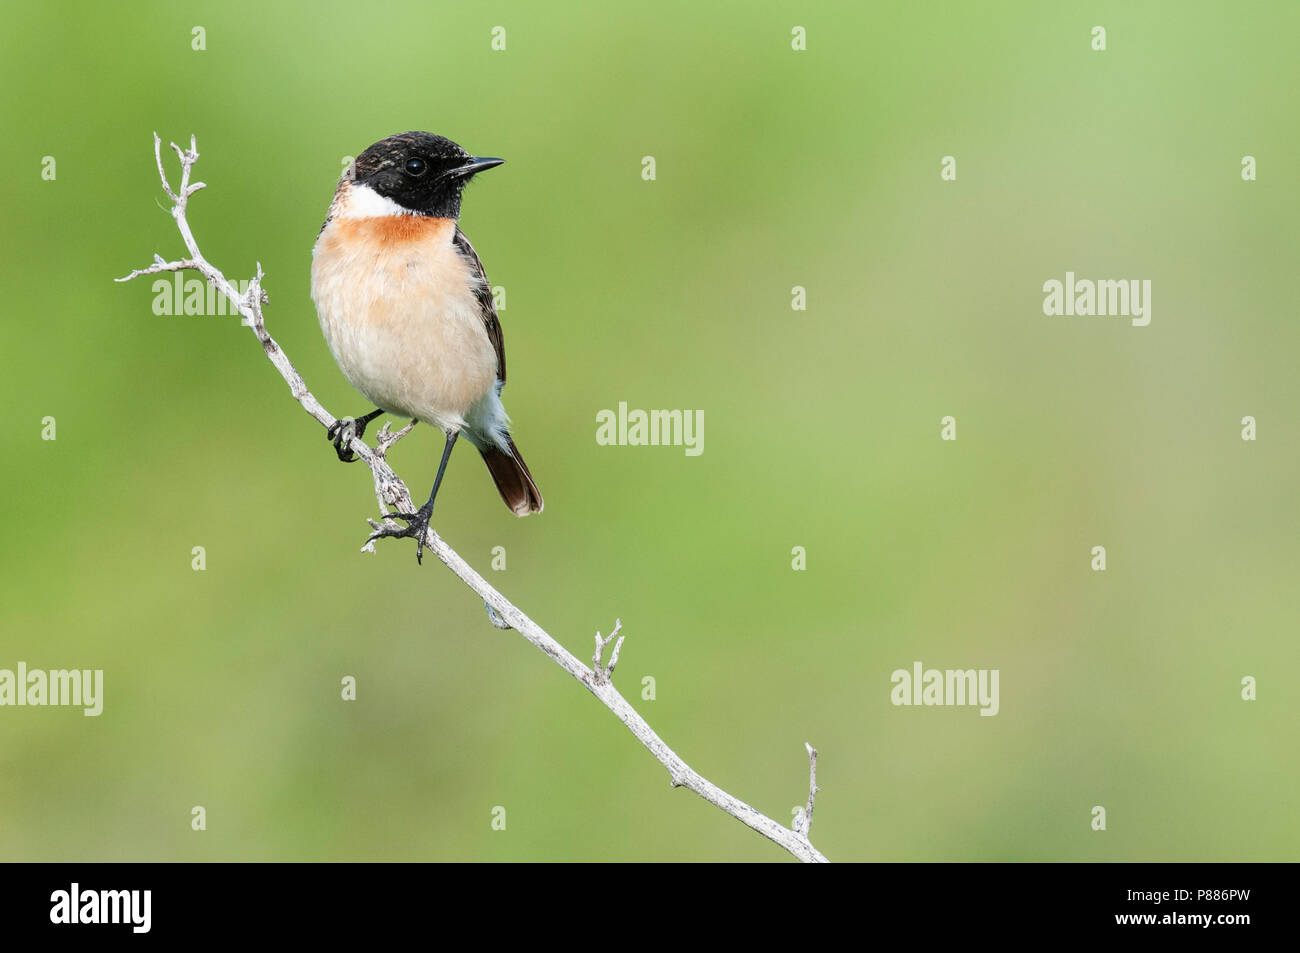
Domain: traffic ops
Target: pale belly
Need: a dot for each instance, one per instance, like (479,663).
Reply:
(401,319)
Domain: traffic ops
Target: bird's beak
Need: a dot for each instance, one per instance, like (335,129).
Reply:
(474,166)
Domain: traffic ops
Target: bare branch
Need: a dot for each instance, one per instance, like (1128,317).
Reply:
(162,173)
(804,818)
(390,491)
(607,672)
(185,264)
(384,440)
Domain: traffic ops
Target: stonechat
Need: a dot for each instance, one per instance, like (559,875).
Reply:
(408,314)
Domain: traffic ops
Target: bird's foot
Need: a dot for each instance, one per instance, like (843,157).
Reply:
(417,526)
(341,432)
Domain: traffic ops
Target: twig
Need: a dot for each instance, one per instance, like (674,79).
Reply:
(391,491)
(605,674)
(804,817)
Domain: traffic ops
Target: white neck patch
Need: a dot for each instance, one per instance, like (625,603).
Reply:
(361,201)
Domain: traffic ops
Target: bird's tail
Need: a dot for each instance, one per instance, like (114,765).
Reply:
(512,478)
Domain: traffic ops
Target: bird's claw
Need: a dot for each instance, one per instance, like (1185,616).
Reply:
(341,433)
(417,526)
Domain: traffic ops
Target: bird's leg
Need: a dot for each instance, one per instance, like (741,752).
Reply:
(418,522)
(344,429)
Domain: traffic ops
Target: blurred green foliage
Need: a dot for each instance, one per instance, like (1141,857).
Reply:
(775,168)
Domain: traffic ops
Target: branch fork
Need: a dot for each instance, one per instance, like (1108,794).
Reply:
(605,674)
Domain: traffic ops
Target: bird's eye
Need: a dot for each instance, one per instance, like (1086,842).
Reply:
(416,166)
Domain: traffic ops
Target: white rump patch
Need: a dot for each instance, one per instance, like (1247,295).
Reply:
(487,423)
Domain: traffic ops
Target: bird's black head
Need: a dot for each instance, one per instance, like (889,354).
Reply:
(421,172)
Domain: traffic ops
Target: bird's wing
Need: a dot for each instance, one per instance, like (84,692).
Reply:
(487,309)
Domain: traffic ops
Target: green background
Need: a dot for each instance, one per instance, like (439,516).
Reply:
(775,168)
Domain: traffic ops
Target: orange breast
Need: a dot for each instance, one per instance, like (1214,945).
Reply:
(386,232)
(399,308)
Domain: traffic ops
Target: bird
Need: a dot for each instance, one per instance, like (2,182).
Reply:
(407,312)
